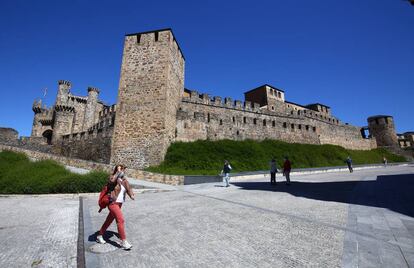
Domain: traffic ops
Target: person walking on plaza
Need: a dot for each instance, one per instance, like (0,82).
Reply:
(118,186)
(286,170)
(385,161)
(273,170)
(226,172)
(348,161)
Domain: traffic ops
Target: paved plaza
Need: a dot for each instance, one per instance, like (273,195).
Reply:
(363,219)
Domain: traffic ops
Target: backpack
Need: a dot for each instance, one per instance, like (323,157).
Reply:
(104,198)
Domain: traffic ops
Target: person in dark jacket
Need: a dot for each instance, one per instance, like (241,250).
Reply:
(348,161)
(226,171)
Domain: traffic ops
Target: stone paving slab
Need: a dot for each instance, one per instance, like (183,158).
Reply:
(363,219)
(39,231)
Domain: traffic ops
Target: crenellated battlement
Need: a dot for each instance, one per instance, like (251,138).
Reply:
(289,109)
(65,82)
(64,108)
(37,106)
(161,35)
(107,110)
(95,89)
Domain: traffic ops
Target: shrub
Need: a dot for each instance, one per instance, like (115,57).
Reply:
(19,175)
(207,157)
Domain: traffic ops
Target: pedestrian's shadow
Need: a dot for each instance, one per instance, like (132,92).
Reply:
(107,237)
(394,192)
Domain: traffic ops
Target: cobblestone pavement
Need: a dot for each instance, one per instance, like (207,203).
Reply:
(363,219)
(254,224)
(39,231)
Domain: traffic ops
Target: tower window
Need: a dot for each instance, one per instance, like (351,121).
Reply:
(264,122)
(307,128)
(221,122)
(156,36)
(234,119)
(244,120)
(300,126)
(273,123)
(208,118)
(314,129)
(284,125)
(292,126)
(138,38)
(255,121)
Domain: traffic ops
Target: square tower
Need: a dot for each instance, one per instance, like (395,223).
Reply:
(150,89)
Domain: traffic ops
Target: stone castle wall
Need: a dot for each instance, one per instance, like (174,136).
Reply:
(8,135)
(95,143)
(203,118)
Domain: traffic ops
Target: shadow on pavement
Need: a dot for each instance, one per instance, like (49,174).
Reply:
(107,236)
(394,192)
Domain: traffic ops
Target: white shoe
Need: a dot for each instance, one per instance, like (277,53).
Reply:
(100,239)
(125,245)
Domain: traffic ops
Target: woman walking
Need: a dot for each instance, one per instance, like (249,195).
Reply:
(118,187)
(287,166)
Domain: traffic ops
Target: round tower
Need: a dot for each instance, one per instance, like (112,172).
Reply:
(90,109)
(381,127)
(62,122)
(63,92)
(36,126)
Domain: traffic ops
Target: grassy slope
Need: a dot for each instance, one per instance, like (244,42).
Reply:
(18,175)
(206,157)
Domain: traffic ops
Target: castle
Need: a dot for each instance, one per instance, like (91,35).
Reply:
(154,109)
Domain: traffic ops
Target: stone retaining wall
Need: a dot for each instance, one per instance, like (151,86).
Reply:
(134,173)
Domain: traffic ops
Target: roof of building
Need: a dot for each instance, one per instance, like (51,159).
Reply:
(317,103)
(296,104)
(378,116)
(264,86)
(161,30)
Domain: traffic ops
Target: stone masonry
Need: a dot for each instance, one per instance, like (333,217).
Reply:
(154,109)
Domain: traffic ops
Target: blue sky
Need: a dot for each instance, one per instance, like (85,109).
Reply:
(355,56)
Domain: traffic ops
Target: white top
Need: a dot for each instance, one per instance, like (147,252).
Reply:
(121,196)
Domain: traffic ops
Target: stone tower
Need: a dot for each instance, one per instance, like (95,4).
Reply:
(381,127)
(36,127)
(89,118)
(63,113)
(150,89)
(63,92)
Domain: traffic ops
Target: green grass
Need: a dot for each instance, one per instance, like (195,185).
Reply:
(207,157)
(19,175)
